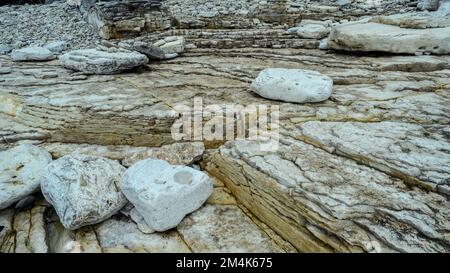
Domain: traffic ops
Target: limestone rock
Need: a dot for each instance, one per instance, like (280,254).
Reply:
(162,193)
(83,189)
(292,85)
(56,47)
(124,236)
(32,53)
(321,202)
(94,61)
(23,231)
(430,5)
(183,153)
(172,44)
(312,30)
(151,51)
(20,170)
(224,229)
(388,38)
(401,148)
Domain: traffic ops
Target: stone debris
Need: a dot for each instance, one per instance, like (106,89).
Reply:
(84,190)
(164,194)
(293,85)
(20,171)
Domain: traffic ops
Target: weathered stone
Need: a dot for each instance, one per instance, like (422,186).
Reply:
(83,189)
(124,236)
(323,202)
(312,30)
(176,154)
(24,231)
(93,61)
(162,193)
(20,170)
(292,85)
(225,229)
(33,53)
(401,148)
(387,38)
(56,47)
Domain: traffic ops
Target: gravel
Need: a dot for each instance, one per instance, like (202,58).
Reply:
(37,25)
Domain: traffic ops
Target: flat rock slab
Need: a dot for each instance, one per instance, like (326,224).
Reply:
(83,189)
(20,170)
(164,194)
(32,54)
(95,61)
(418,154)
(292,85)
(224,229)
(388,38)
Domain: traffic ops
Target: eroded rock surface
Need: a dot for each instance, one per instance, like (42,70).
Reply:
(84,190)
(164,194)
(109,61)
(20,170)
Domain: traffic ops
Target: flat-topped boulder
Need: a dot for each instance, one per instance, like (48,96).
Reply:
(32,53)
(103,60)
(388,38)
(292,85)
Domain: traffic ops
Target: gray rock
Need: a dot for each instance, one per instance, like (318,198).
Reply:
(388,38)
(430,5)
(57,46)
(164,194)
(20,170)
(95,61)
(32,53)
(151,51)
(83,189)
(292,85)
(5,49)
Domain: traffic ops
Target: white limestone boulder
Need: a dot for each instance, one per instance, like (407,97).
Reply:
(102,61)
(164,194)
(292,85)
(172,44)
(388,38)
(20,170)
(83,189)
(32,53)
(312,31)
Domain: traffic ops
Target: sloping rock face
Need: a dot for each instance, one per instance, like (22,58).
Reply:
(388,38)
(328,203)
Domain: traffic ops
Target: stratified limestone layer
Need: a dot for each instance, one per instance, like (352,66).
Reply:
(322,202)
(418,154)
